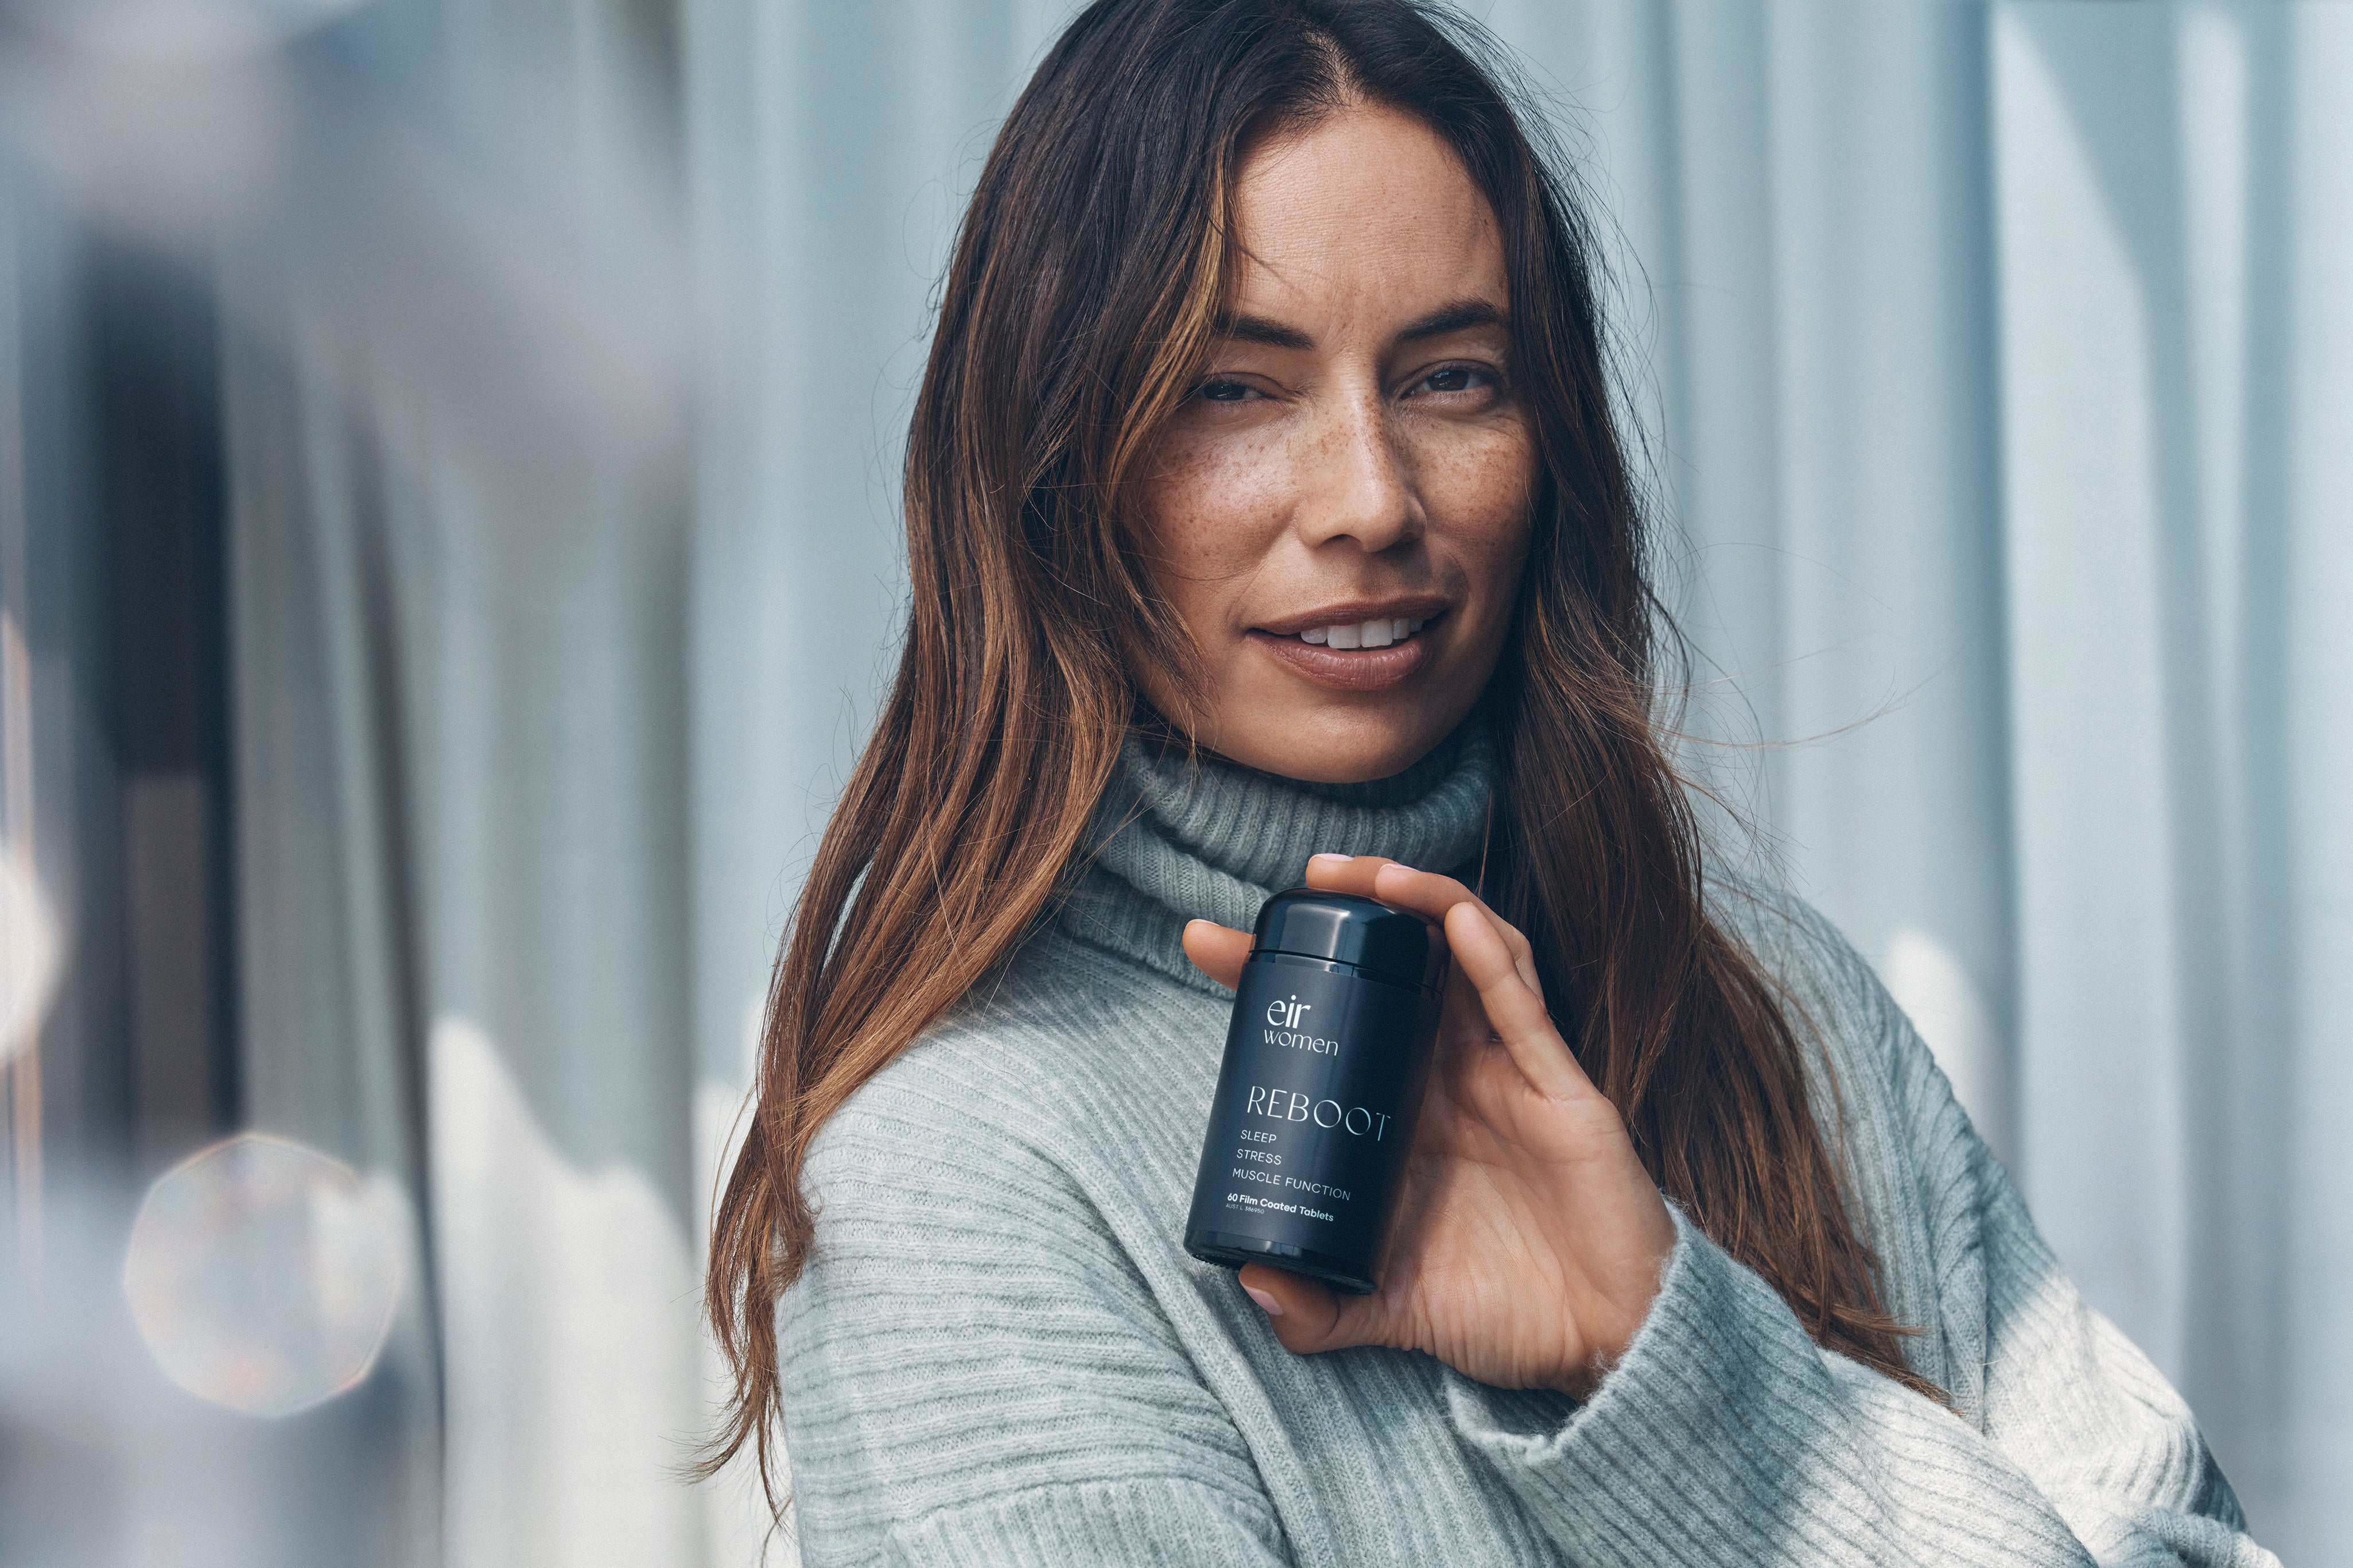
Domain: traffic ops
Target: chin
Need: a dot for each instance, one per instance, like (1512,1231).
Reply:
(1351,748)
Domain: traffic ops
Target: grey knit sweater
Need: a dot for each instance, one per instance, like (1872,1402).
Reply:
(999,1354)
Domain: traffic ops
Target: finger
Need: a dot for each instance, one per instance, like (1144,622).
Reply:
(1217,952)
(1391,881)
(1463,1022)
(1513,1009)
(1308,1316)
(1425,893)
(1435,897)
(1345,873)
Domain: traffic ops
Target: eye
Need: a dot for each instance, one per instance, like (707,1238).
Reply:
(1455,379)
(1215,391)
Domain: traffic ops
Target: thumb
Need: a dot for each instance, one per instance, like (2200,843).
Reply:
(1310,1317)
(1217,952)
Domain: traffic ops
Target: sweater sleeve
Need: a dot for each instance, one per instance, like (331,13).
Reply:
(975,1373)
(1727,1435)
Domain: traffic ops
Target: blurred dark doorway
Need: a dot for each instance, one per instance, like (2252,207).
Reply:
(157,1068)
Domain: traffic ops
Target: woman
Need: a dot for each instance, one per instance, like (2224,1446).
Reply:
(1263,502)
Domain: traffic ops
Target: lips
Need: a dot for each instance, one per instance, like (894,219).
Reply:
(1357,653)
(1359,612)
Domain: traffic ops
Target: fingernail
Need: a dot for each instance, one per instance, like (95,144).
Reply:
(1341,860)
(1265,1298)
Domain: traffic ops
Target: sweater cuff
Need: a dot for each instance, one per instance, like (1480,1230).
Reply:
(1700,1444)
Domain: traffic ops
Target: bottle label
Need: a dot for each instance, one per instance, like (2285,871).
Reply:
(1315,1110)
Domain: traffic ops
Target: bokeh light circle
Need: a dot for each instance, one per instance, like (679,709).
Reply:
(263,1276)
(29,954)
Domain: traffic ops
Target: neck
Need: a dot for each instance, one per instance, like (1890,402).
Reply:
(1182,835)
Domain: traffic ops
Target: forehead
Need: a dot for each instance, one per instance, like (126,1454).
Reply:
(1366,212)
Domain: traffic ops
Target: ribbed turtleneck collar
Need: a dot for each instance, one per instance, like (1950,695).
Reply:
(1179,836)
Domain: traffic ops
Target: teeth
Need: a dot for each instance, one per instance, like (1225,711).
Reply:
(1365,634)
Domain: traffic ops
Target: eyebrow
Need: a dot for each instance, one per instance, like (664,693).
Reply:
(1457,316)
(1259,330)
(1454,317)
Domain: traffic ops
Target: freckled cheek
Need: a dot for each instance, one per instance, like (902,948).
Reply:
(1479,495)
(1217,510)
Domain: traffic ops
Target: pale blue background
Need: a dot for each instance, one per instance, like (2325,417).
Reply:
(1997,365)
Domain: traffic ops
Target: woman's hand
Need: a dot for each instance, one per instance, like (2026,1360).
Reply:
(1529,1239)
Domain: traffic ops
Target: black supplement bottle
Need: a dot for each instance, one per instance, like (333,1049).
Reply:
(1325,1062)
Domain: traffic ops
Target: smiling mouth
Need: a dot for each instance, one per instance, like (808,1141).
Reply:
(1371,656)
(1376,633)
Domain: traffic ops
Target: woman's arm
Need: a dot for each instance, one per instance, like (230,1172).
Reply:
(974,1375)
(1714,1430)
(1727,1435)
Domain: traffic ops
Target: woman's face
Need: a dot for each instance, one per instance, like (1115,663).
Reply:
(1339,510)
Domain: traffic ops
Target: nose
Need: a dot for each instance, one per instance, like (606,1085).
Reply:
(1357,483)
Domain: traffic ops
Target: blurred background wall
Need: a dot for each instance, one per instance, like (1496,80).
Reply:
(448,557)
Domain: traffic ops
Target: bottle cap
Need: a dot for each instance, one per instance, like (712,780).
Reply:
(1343,928)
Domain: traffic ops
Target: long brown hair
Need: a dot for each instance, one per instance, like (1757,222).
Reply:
(1079,305)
